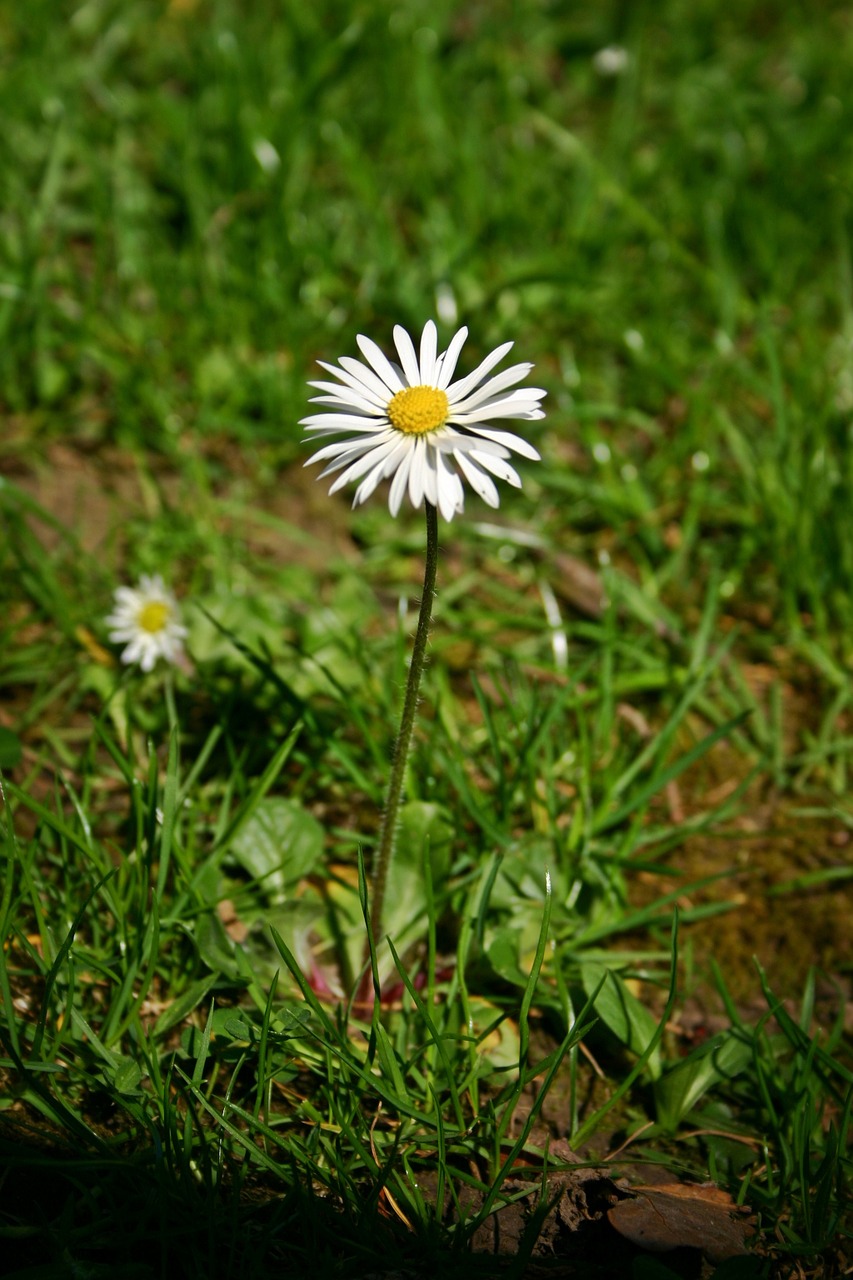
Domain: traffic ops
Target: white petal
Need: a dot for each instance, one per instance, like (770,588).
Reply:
(506,438)
(429,345)
(497,466)
(148,659)
(370,481)
(344,422)
(450,495)
(380,362)
(352,454)
(470,444)
(364,464)
(384,468)
(448,361)
(355,398)
(478,480)
(345,459)
(362,409)
(368,378)
(359,384)
(338,448)
(464,386)
(408,359)
(507,408)
(399,483)
(431,477)
(417,476)
(500,382)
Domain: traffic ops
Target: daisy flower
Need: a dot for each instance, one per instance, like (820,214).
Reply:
(408,422)
(147,619)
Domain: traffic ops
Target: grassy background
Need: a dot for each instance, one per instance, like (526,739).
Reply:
(197,201)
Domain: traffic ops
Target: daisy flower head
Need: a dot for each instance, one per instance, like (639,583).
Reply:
(410,422)
(147,619)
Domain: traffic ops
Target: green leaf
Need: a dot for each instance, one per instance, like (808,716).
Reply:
(424,831)
(279,844)
(126,1075)
(215,947)
(621,1011)
(10,749)
(183,1006)
(679,1090)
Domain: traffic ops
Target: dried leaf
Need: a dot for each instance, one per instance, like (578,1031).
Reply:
(683,1216)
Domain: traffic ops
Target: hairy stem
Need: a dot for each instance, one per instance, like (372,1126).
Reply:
(390,815)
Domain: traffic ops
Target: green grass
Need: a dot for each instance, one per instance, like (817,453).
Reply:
(641,659)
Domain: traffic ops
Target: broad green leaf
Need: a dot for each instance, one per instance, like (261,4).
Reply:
(215,947)
(621,1011)
(521,877)
(126,1075)
(679,1090)
(511,946)
(424,832)
(279,844)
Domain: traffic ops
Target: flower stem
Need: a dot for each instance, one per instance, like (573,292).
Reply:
(388,829)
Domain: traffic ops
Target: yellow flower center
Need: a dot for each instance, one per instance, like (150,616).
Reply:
(153,616)
(417,410)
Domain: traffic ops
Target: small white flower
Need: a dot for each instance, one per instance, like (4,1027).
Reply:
(611,61)
(410,422)
(147,619)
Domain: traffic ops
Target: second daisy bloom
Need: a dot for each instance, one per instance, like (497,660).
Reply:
(410,423)
(147,620)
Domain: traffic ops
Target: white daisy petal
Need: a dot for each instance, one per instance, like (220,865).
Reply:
(497,466)
(371,480)
(408,359)
(478,480)
(339,447)
(508,439)
(346,402)
(503,410)
(349,456)
(450,495)
(370,380)
(417,476)
(429,346)
(447,362)
(431,477)
(400,483)
(364,464)
(355,397)
(489,389)
(359,385)
(470,444)
(380,363)
(457,390)
(341,422)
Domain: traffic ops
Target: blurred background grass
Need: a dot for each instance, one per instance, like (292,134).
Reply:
(201,198)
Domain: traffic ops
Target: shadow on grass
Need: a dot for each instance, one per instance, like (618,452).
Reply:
(69,1213)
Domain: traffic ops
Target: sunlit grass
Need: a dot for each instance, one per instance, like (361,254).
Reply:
(648,649)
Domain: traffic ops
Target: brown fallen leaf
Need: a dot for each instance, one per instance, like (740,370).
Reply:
(677,1215)
(579,584)
(235,928)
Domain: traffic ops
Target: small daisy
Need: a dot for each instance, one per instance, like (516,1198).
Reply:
(410,422)
(147,618)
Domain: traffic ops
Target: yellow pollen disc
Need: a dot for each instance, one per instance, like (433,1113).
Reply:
(417,410)
(153,616)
